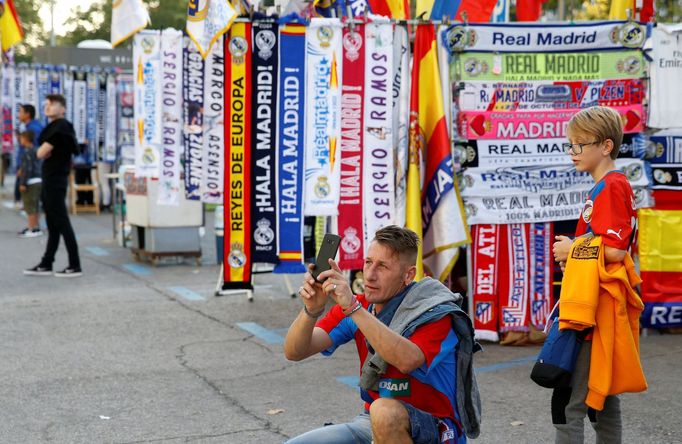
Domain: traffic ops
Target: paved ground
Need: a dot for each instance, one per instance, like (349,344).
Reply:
(133,353)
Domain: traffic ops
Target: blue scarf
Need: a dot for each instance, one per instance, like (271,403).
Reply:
(291,118)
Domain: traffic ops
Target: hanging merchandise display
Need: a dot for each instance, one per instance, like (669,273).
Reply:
(665,146)
(109,151)
(193,117)
(6,85)
(548,95)
(91,100)
(324,61)
(401,107)
(439,216)
(68,93)
(148,111)
(237,241)
(543,37)
(486,244)
(350,221)
(667,176)
(665,105)
(170,181)
(520,179)
(291,117)
(212,180)
(534,124)
(265,67)
(378,173)
(43,85)
(80,109)
(524,67)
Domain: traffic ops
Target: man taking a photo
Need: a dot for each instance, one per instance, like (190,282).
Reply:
(414,343)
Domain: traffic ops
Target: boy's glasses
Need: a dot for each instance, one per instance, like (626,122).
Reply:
(577,148)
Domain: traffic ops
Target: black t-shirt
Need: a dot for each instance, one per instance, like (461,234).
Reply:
(60,134)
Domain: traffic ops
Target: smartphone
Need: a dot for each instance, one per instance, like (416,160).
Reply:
(330,245)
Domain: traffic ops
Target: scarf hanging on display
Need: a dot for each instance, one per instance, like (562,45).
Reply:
(80,111)
(43,76)
(18,99)
(378,159)
(56,80)
(514,285)
(237,247)
(263,145)
(193,117)
(664,146)
(7,77)
(101,113)
(485,249)
(109,152)
(30,95)
(541,238)
(91,133)
(350,222)
(401,107)
(171,93)
(147,74)
(324,60)
(290,141)
(68,94)
(126,117)
(213,162)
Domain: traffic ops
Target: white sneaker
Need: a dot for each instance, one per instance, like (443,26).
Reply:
(26,233)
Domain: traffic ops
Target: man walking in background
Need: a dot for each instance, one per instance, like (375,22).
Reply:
(57,145)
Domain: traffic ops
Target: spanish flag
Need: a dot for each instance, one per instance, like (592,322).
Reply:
(10,26)
(396,9)
(435,210)
(660,258)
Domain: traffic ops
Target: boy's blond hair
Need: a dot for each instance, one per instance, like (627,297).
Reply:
(601,122)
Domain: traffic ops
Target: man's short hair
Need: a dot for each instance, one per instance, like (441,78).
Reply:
(29,109)
(601,122)
(403,241)
(56,98)
(28,135)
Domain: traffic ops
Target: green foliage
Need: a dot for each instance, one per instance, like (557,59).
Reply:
(95,21)
(34,33)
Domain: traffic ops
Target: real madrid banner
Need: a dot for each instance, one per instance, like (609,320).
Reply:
(238,159)
(264,142)
(109,150)
(378,158)
(290,141)
(542,37)
(667,176)
(547,95)
(43,76)
(549,66)
(193,117)
(531,152)
(533,124)
(68,94)
(536,207)
(213,162)
(323,119)
(519,179)
(665,146)
(171,95)
(350,222)
(147,71)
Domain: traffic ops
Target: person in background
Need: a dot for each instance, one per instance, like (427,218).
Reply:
(57,146)
(27,122)
(30,184)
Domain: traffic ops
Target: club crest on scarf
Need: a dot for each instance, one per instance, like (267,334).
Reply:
(265,42)
(630,34)
(238,48)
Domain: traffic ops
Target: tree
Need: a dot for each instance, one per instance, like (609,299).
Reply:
(34,33)
(95,21)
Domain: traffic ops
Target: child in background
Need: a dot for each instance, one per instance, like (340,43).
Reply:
(30,184)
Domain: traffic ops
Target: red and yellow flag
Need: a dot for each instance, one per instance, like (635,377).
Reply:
(397,9)
(11,31)
(434,209)
(660,257)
